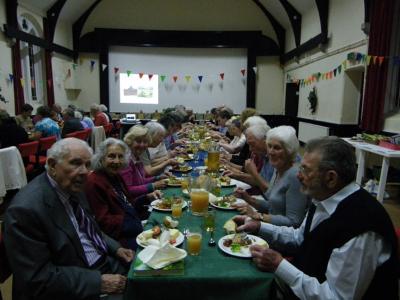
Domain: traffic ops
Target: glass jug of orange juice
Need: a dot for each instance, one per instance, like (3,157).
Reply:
(199,191)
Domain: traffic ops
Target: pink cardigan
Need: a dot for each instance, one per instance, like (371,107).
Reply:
(135,179)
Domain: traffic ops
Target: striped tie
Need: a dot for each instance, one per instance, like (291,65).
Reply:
(86,225)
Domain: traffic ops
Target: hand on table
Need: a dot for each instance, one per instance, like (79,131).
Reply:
(125,254)
(112,283)
(265,259)
(157,194)
(241,193)
(250,167)
(160,184)
(247,224)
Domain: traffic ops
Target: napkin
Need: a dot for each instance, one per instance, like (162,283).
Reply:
(159,257)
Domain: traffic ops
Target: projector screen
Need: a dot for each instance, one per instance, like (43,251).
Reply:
(156,78)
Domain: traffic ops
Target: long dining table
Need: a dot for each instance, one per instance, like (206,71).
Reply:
(210,275)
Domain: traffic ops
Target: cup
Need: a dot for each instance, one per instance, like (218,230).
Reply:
(209,220)
(185,182)
(213,158)
(194,241)
(199,199)
(176,209)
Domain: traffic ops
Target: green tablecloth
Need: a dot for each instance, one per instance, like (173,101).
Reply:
(211,275)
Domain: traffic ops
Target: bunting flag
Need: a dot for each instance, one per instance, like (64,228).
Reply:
(380,59)
(243,71)
(150,76)
(49,82)
(200,77)
(103,67)
(334,72)
(128,73)
(22,82)
(340,69)
(188,78)
(162,77)
(255,70)
(11,77)
(81,61)
(74,66)
(175,78)
(92,62)
(116,70)
(141,75)
(369,57)
(374,58)
(69,73)
(222,76)
(33,83)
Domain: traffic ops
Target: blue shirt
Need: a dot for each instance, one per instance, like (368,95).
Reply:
(48,127)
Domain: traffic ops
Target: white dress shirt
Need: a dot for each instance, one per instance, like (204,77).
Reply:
(350,268)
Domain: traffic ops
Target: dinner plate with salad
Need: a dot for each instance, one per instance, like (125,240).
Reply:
(238,244)
(225,202)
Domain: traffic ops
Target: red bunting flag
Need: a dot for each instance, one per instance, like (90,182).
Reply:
(175,78)
(380,59)
(150,76)
(116,70)
(141,75)
(243,71)
(222,76)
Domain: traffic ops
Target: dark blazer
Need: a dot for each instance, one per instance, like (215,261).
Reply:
(70,126)
(44,250)
(112,216)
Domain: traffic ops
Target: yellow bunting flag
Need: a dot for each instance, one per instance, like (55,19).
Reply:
(22,82)
(369,57)
(188,78)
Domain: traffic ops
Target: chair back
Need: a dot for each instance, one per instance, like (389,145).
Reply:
(71,135)
(47,142)
(108,129)
(82,135)
(27,149)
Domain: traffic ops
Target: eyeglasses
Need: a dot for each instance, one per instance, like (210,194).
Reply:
(304,171)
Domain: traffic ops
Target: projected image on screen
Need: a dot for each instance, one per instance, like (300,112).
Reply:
(133,89)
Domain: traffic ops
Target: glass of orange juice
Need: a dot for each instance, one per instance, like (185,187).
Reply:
(176,209)
(194,241)
(185,182)
(199,199)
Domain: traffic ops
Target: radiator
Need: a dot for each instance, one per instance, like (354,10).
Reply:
(308,131)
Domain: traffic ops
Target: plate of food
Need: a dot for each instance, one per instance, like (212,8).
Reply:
(156,236)
(225,181)
(238,244)
(174,181)
(182,168)
(225,202)
(165,203)
(185,156)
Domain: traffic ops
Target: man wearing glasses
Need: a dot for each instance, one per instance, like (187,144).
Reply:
(346,246)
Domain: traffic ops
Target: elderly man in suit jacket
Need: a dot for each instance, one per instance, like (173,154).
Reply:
(54,246)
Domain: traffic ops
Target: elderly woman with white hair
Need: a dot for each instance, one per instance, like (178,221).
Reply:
(99,118)
(156,133)
(116,211)
(134,175)
(239,139)
(285,204)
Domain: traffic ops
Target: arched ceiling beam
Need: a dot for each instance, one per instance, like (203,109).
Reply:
(52,17)
(78,25)
(295,20)
(279,29)
(323,11)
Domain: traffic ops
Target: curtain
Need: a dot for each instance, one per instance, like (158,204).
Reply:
(381,16)
(49,78)
(18,89)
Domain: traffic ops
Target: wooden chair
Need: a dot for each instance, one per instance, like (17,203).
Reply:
(28,153)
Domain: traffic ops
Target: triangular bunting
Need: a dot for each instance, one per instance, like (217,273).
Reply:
(222,75)
(339,69)
(369,58)
(374,59)
(69,73)
(141,75)
(255,70)
(116,70)
(188,77)
(175,78)
(128,73)
(150,76)
(92,62)
(162,77)
(22,82)
(103,67)
(243,71)
(11,77)
(334,72)
(200,77)
(344,64)
(380,59)
(74,66)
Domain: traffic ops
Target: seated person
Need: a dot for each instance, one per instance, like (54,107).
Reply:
(99,118)
(239,139)
(346,246)
(46,126)
(134,175)
(71,124)
(24,119)
(10,133)
(116,211)
(54,246)
(153,167)
(284,204)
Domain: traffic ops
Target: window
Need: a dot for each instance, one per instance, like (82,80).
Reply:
(32,64)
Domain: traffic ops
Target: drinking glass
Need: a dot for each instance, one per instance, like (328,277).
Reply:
(199,192)
(213,158)
(209,220)
(194,241)
(176,209)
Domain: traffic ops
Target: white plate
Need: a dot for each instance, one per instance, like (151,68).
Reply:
(240,184)
(186,171)
(179,240)
(244,251)
(154,205)
(175,184)
(238,201)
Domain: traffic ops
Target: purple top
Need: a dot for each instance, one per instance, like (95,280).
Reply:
(135,179)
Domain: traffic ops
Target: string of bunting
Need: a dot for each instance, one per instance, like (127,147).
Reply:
(352,58)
